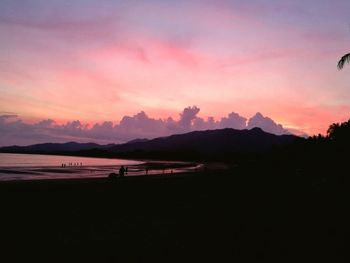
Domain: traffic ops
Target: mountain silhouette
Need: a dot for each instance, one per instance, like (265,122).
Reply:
(54,147)
(138,140)
(213,144)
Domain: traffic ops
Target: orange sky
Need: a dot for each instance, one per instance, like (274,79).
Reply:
(98,61)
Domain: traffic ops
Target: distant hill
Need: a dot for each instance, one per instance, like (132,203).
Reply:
(138,140)
(54,147)
(210,144)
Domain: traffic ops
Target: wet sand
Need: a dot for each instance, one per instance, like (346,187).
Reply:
(101,171)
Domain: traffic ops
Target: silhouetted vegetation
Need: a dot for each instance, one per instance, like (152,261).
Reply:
(335,144)
(339,132)
(319,155)
(344,59)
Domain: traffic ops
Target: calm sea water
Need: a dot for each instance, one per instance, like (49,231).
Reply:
(36,167)
(37,160)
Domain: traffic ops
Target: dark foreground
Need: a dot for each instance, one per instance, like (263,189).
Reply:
(253,214)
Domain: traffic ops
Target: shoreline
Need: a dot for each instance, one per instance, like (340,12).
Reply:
(71,154)
(40,173)
(99,180)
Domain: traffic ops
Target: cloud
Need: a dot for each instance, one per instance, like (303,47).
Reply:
(267,124)
(201,124)
(187,116)
(233,120)
(58,17)
(44,123)
(8,115)
(15,132)
(140,125)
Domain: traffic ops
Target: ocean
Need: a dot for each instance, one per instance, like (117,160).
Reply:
(37,160)
(37,166)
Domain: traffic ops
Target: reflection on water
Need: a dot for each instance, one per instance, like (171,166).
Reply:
(35,160)
(36,167)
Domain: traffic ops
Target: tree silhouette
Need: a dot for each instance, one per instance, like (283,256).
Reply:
(339,132)
(344,59)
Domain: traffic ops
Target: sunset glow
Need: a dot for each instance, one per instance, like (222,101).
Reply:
(99,61)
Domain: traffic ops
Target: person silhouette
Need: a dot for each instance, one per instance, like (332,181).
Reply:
(121,171)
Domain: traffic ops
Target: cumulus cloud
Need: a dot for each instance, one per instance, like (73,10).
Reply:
(16,132)
(201,124)
(187,116)
(265,123)
(233,120)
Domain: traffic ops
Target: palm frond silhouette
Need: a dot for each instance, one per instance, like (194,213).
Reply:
(344,59)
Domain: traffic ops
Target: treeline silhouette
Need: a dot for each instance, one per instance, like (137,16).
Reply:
(335,144)
(316,155)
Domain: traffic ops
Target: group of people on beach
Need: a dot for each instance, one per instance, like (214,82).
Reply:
(71,164)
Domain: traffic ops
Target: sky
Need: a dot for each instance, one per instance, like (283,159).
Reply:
(111,71)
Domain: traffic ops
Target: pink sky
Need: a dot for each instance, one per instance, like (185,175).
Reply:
(97,61)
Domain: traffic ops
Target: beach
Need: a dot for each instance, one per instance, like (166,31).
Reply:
(213,215)
(17,167)
(98,171)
